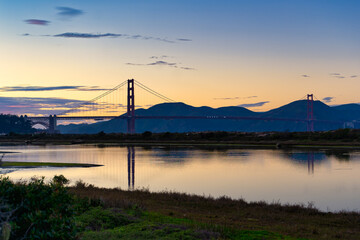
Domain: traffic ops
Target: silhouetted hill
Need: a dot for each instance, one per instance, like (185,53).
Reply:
(293,110)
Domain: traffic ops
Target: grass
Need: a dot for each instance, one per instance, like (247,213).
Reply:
(134,223)
(232,219)
(44,164)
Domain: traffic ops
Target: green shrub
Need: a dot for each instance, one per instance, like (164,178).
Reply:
(42,211)
(97,219)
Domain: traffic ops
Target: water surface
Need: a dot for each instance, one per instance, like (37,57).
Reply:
(329,180)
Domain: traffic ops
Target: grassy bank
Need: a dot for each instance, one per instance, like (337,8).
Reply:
(234,216)
(39,210)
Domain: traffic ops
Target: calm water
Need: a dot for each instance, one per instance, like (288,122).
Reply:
(330,180)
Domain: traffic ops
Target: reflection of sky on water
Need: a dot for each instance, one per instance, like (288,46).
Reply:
(255,175)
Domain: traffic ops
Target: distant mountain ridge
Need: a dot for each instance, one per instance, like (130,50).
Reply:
(293,110)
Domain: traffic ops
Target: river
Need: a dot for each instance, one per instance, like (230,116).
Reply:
(329,180)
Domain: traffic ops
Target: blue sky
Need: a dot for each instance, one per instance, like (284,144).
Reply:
(202,52)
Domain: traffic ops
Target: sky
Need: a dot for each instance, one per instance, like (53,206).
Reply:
(259,54)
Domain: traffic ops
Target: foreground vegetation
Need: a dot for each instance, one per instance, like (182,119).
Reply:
(40,210)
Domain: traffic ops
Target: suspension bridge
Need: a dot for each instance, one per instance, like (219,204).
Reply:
(90,110)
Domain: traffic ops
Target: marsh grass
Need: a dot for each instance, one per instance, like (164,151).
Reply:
(232,218)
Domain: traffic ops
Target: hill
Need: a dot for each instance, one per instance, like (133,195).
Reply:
(293,110)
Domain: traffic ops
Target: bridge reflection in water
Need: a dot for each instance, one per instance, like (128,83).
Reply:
(131,167)
(310,158)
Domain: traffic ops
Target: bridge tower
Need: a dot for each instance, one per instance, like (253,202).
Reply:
(131,107)
(310,113)
(52,124)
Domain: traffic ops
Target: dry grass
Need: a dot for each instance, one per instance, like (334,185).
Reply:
(296,221)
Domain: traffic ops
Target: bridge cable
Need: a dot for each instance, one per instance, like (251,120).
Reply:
(94,99)
(153,92)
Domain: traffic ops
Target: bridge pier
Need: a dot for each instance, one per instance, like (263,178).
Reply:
(310,113)
(52,124)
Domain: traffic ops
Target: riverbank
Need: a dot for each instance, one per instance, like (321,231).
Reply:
(226,216)
(338,139)
(6,164)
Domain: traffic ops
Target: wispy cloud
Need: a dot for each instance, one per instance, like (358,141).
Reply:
(35,106)
(251,105)
(110,35)
(51,88)
(69,12)
(161,63)
(353,76)
(46,106)
(234,98)
(328,99)
(227,98)
(305,76)
(105,35)
(38,22)
(159,57)
(184,39)
(337,75)
(87,35)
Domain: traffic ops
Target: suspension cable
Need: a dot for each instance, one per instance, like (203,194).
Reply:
(94,99)
(153,92)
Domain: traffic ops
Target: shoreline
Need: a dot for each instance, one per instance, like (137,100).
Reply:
(25,165)
(199,144)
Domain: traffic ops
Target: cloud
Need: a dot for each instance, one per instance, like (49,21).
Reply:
(68,12)
(305,76)
(159,57)
(106,35)
(161,63)
(184,39)
(337,75)
(52,88)
(37,22)
(234,98)
(46,106)
(111,35)
(353,76)
(87,35)
(36,106)
(150,38)
(328,99)
(226,98)
(251,105)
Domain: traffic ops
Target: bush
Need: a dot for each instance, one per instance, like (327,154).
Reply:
(97,219)
(40,210)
